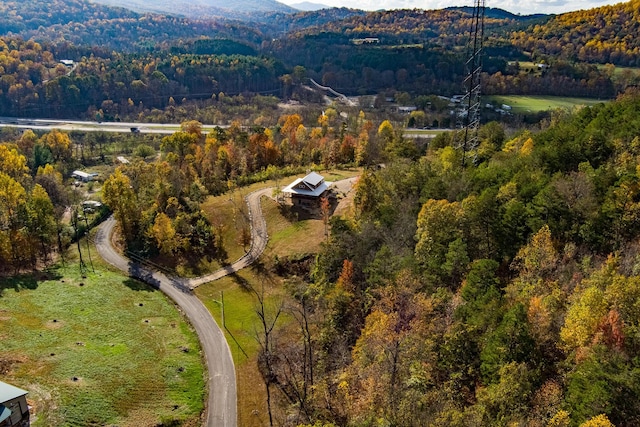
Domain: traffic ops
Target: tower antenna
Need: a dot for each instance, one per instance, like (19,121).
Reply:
(473,67)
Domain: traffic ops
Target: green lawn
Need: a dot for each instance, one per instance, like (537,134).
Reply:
(242,331)
(99,350)
(534,104)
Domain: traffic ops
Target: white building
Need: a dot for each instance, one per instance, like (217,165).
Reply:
(14,410)
(83,176)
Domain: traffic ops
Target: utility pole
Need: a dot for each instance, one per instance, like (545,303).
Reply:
(87,231)
(74,222)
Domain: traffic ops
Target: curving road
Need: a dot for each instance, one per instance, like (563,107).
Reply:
(259,240)
(221,410)
(222,396)
(221,403)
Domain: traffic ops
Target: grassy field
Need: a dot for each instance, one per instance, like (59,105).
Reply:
(228,213)
(534,104)
(99,350)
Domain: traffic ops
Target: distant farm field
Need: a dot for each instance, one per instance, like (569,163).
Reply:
(533,104)
(99,350)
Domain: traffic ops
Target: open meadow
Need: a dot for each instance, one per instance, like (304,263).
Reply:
(98,349)
(521,104)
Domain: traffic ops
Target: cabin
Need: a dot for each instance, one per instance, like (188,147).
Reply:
(84,176)
(307,191)
(14,410)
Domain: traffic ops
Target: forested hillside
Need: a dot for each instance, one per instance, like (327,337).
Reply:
(505,293)
(418,52)
(88,24)
(446,27)
(115,85)
(608,34)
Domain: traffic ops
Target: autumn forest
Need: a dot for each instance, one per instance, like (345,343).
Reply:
(498,289)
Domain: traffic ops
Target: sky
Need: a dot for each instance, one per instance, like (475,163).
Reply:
(513,6)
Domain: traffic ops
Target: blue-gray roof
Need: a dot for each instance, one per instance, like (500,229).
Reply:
(312,185)
(313,179)
(9,392)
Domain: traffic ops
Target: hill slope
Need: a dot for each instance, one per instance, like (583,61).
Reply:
(199,9)
(90,24)
(601,35)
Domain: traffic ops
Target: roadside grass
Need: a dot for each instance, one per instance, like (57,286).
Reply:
(99,349)
(533,104)
(425,132)
(241,326)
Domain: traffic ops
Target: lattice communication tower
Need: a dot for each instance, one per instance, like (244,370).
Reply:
(471,100)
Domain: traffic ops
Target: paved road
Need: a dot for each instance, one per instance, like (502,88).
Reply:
(259,239)
(88,126)
(221,407)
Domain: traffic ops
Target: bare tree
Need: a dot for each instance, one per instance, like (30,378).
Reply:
(325,210)
(268,317)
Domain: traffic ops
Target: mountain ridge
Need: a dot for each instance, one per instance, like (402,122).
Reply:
(201,9)
(309,6)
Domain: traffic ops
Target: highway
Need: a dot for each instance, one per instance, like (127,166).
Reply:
(87,126)
(150,128)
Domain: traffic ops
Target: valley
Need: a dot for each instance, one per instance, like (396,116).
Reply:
(335,247)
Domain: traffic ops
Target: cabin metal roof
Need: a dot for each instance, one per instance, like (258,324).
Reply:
(9,392)
(313,179)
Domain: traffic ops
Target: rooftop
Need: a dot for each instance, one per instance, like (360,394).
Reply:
(9,392)
(316,192)
(313,179)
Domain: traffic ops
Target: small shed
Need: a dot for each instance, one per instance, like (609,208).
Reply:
(14,410)
(84,176)
(308,190)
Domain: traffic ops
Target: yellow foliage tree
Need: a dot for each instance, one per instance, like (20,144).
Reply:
(598,421)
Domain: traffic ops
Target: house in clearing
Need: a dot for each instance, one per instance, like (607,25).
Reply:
(83,176)
(14,410)
(307,191)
